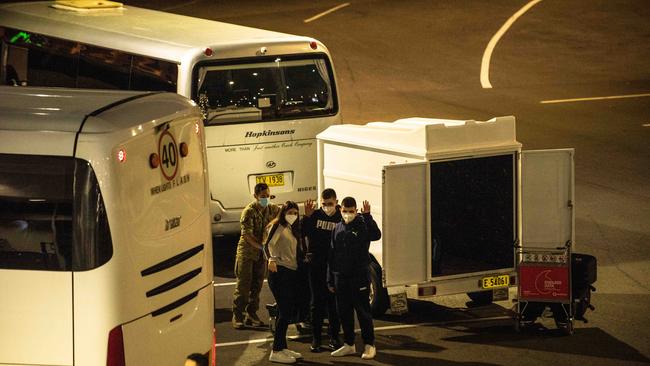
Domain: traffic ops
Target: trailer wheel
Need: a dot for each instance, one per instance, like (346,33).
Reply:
(481,297)
(378,294)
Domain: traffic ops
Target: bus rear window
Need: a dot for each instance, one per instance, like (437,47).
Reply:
(275,89)
(52,215)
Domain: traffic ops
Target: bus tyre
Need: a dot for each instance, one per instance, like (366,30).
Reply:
(379,302)
(480,297)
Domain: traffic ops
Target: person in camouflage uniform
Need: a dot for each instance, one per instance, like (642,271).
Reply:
(250,264)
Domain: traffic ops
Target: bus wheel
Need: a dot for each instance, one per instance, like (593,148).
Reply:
(480,297)
(378,294)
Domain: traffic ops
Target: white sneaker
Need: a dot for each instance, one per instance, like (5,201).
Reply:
(281,357)
(369,352)
(291,353)
(344,351)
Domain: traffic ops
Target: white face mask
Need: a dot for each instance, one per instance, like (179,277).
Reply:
(348,217)
(291,218)
(329,210)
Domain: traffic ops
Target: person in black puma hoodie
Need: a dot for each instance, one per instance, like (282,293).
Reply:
(348,274)
(318,226)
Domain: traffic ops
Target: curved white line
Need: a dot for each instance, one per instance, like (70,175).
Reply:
(487,55)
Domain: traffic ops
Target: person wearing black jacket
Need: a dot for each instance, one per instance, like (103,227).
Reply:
(318,226)
(348,274)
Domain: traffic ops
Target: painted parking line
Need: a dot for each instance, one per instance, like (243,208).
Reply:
(180,5)
(227,284)
(589,99)
(320,15)
(388,327)
(487,54)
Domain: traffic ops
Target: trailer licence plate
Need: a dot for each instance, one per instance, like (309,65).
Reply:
(495,281)
(273,180)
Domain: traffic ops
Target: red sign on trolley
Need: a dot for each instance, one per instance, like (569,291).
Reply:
(544,283)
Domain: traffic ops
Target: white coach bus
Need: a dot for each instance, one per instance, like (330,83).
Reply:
(105,255)
(265,95)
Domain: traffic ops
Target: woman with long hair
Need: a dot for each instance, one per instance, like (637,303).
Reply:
(283,247)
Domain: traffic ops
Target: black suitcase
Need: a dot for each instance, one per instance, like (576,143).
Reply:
(583,270)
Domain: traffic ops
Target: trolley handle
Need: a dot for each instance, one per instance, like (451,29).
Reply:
(567,245)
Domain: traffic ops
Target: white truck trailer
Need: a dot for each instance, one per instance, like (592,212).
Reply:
(452,198)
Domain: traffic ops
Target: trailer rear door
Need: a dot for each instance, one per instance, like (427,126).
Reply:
(547,197)
(404,224)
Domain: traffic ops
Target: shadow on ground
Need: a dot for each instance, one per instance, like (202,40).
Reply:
(387,343)
(593,342)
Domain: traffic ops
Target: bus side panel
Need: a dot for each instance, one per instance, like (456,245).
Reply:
(35,317)
(169,338)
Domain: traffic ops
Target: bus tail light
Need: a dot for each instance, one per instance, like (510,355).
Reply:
(121,155)
(313,45)
(208,52)
(115,354)
(184,150)
(154,161)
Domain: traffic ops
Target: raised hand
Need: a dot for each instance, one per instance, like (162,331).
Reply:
(366,207)
(309,207)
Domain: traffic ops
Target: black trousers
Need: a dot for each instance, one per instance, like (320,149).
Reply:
(352,295)
(283,287)
(302,312)
(323,303)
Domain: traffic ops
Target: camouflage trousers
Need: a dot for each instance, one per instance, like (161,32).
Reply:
(250,278)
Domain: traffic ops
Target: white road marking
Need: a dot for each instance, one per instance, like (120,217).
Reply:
(594,98)
(187,3)
(646,125)
(487,55)
(389,327)
(227,284)
(326,12)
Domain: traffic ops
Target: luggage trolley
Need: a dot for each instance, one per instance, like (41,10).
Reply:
(544,280)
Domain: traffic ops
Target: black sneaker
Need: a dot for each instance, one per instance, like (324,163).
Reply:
(335,344)
(315,347)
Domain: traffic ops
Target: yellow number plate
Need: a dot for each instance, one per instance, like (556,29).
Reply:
(274,180)
(495,281)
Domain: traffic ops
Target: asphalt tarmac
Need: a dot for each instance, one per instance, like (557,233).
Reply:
(397,59)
